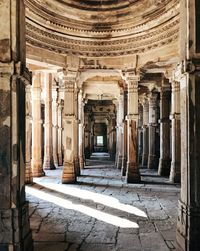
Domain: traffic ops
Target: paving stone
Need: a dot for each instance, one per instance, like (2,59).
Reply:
(153,241)
(75,237)
(71,230)
(146,227)
(44,246)
(126,242)
(48,237)
(35,222)
(101,237)
(97,247)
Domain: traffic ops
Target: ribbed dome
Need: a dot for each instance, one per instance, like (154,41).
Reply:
(90,28)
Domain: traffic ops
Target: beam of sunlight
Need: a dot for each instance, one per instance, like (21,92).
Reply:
(96,197)
(108,218)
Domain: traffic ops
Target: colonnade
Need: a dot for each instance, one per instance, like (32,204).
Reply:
(150,134)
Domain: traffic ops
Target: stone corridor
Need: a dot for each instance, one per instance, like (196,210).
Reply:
(102,212)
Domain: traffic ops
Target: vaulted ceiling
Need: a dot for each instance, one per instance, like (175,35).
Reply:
(145,31)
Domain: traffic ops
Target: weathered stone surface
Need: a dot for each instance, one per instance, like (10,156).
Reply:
(80,231)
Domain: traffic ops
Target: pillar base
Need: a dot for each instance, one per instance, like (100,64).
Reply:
(175,173)
(124,165)
(132,173)
(55,160)
(152,162)
(15,232)
(28,173)
(60,159)
(119,162)
(187,235)
(37,170)
(144,160)
(68,174)
(164,167)
(81,162)
(49,164)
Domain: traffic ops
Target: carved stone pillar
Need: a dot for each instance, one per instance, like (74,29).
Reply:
(124,153)
(15,231)
(60,129)
(152,158)
(36,162)
(70,169)
(132,173)
(120,125)
(28,171)
(145,128)
(175,173)
(188,230)
(87,134)
(112,138)
(81,130)
(48,148)
(164,161)
(91,137)
(55,124)
(140,133)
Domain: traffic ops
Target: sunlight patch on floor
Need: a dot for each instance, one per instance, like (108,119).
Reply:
(108,218)
(95,197)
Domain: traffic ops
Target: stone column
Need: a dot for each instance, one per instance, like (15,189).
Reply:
(91,137)
(164,161)
(60,129)
(145,128)
(28,171)
(36,162)
(175,173)
(87,135)
(140,133)
(132,173)
(15,231)
(55,124)
(188,230)
(70,168)
(152,158)
(112,137)
(124,153)
(48,148)
(120,125)
(81,130)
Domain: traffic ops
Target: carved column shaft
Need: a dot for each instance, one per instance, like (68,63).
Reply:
(87,135)
(70,169)
(175,173)
(28,172)
(132,174)
(120,125)
(152,158)
(165,161)
(60,139)
(81,130)
(15,231)
(48,148)
(188,230)
(36,162)
(140,133)
(145,128)
(124,153)
(55,124)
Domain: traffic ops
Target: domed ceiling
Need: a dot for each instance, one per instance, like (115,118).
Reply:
(106,28)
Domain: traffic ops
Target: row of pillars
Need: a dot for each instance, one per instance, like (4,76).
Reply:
(52,126)
(138,139)
(63,127)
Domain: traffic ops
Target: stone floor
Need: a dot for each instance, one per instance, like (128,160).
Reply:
(101,212)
